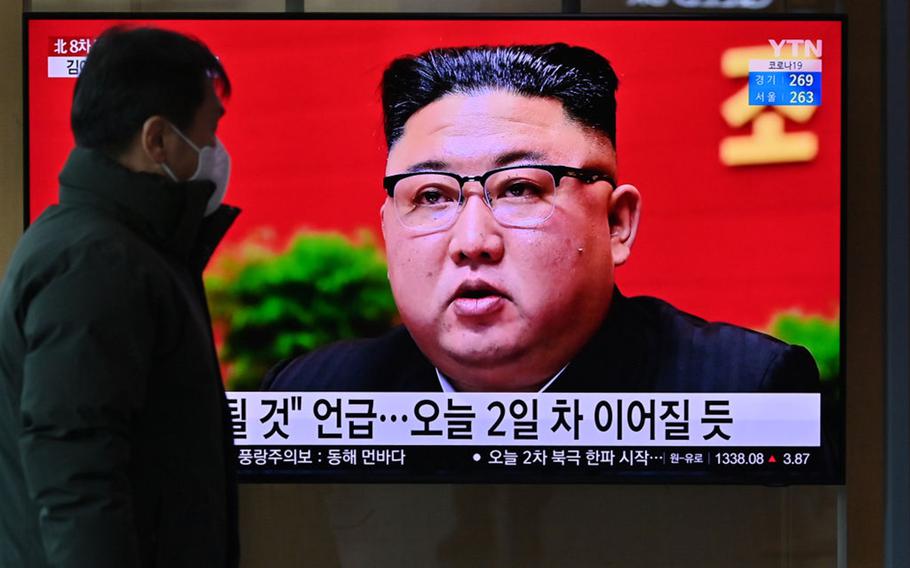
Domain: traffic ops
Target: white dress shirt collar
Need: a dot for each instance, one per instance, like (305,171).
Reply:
(447,385)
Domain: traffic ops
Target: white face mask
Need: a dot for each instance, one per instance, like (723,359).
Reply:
(213,164)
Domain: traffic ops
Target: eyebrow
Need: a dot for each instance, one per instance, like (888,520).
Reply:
(517,156)
(500,161)
(428,166)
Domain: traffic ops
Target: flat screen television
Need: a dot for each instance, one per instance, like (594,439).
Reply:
(453,313)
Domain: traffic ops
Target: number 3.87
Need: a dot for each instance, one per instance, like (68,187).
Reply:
(800,458)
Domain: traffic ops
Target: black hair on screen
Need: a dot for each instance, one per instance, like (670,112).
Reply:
(131,74)
(581,79)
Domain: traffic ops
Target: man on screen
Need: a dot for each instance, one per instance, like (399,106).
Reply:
(503,225)
(115,439)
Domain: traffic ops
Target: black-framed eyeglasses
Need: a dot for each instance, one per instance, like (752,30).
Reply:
(519,196)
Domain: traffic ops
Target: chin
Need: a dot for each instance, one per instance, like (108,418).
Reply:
(482,350)
(491,369)
(491,380)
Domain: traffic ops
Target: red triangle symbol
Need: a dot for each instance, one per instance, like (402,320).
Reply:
(772,460)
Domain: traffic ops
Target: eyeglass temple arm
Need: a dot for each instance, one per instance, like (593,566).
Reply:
(587,176)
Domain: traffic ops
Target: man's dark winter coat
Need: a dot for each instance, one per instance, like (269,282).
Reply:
(115,446)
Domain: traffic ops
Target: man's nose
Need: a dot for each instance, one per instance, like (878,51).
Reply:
(476,237)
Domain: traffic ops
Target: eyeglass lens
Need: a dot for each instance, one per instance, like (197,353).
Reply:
(520,197)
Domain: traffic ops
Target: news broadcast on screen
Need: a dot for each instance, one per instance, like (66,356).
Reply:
(526,249)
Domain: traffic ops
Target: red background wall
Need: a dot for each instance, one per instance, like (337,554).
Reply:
(304,130)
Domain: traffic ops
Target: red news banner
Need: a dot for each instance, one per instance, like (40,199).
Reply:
(66,55)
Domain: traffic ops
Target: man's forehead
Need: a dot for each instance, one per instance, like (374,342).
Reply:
(493,129)
(488,112)
(504,159)
(213,100)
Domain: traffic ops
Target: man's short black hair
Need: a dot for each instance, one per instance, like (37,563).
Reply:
(581,79)
(133,74)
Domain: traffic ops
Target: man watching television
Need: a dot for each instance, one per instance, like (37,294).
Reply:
(503,225)
(115,437)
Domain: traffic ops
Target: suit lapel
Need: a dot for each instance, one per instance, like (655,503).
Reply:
(621,357)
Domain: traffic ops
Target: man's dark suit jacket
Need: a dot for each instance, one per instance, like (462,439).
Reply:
(645,345)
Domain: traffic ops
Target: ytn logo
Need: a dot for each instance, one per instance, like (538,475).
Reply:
(810,49)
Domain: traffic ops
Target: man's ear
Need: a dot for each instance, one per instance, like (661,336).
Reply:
(625,210)
(385,239)
(147,149)
(382,214)
(152,138)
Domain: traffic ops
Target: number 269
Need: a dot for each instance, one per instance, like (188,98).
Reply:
(801,80)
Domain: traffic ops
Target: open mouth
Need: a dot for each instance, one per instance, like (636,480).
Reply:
(476,298)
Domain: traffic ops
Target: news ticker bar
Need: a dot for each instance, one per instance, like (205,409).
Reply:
(572,461)
(538,419)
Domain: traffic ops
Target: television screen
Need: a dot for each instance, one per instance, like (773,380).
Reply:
(515,249)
